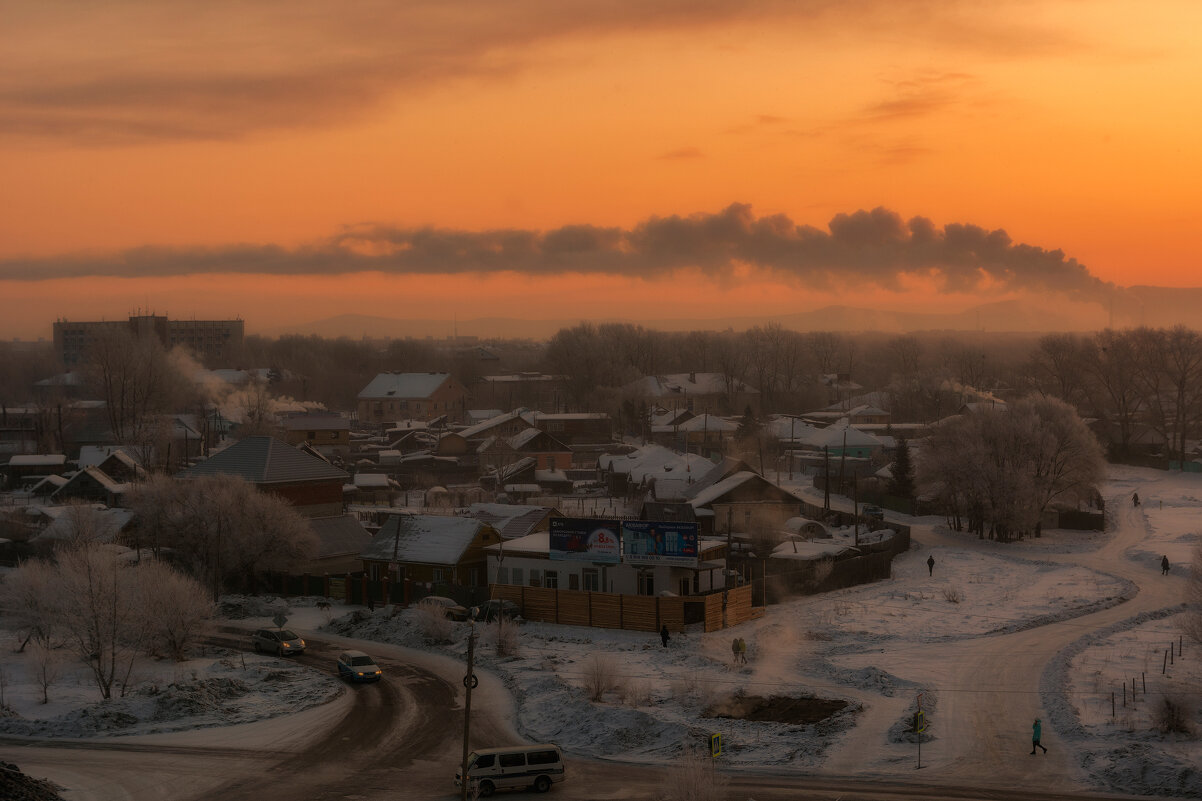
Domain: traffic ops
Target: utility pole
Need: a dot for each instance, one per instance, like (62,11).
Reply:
(469,680)
(726,569)
(855,505)
(826,478)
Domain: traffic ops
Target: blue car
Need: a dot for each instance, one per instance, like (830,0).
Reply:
(357,666)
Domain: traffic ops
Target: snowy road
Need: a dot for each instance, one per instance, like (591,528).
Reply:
(989,687)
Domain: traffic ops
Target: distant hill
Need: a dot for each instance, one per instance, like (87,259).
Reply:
(1152,306)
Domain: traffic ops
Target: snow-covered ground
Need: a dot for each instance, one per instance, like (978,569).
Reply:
(1089,610)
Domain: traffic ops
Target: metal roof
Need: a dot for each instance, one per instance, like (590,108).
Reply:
(266,460)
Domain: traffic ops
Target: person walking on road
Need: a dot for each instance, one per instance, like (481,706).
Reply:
(734,650)
(931,565)
(1036,732)
(663,635)
(742,651)
(1135,499)
(1164,565)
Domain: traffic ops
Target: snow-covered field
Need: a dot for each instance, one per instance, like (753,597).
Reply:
(870,650)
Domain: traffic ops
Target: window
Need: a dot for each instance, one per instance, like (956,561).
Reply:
(646,582)
(517,576)
(485,761)
(513,760)
(542,757)
(592,579)
(502,575)
(551,580)
(573,582)
(535,579)
(438,574)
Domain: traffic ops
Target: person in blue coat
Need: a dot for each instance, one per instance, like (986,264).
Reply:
(1036,733)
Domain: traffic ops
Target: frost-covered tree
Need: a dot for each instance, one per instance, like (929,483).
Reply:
(221,529)
(998,470)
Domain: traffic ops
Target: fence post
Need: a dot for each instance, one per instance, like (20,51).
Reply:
(1112,716)
(1164,665)
(1124,695)
(1143,677)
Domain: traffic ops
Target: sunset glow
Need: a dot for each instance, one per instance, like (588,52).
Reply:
(218,126)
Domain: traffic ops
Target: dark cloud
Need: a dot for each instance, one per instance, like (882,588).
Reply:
(681,154)
(874,247)
(131,71)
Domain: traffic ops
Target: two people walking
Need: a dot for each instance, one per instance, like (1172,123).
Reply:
(738,650)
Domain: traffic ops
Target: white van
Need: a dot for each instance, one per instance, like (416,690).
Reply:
(535,766)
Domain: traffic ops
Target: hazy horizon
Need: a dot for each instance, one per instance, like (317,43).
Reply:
(674,160)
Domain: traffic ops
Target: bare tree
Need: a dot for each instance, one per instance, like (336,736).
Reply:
(134,378)
(47,663)
(178,608)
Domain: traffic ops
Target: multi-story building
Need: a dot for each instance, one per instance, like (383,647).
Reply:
(215,340)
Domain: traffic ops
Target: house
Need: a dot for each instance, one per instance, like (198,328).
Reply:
(430,548)
(91,484)
(513,520)
(340,540)
(26,468)
(520,390)
(503,425)
(744,501)
(582,428)
(703,433)
(529,562)
(422,396)
(638,470)
(18,429)
(713,393)
(548,452)
(328,434)
(311,485)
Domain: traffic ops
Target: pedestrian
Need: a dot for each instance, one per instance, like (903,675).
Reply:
(931,564)
(742,651)
(1036,732)
(663,635)
(1135,499)
(371,604)
(1164,565)
(734,650)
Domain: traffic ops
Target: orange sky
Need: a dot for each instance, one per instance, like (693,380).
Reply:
(1070,125)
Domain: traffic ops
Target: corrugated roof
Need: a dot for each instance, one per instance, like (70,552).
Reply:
(266,460)
(511,520)
(423,539)
(404,385)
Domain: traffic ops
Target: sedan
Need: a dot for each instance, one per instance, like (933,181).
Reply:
(358,666)
(448,606)
(280,642)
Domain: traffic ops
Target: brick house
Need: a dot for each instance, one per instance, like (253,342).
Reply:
(419,396)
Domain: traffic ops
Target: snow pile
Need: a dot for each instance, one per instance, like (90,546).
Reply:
(195,694)
(16,786)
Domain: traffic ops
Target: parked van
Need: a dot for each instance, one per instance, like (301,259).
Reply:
(535,766)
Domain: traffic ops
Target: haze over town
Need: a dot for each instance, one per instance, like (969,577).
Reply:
(573,396)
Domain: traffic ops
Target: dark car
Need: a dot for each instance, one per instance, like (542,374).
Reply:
(494,610)
(358,666)
(280,642)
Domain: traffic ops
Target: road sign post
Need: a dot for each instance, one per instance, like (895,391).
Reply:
(920,725)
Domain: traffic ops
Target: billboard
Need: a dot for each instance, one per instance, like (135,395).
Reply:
(647,542)
(585,540)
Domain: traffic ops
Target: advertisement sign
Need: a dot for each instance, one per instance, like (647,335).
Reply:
(585,540)
(647,542)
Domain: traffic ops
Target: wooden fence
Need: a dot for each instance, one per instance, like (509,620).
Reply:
(630,612)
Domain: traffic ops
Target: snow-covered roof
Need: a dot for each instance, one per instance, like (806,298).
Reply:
(708,422)
(537,543)
(659,386)
(37,460)
(511,520)
(654,460)
(423,539)
(809,550)
(834,437)
(371,481)
(404,385)
(708,495)
(481,428)
(93,455)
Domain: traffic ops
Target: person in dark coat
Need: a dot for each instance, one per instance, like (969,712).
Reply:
(1164,565)
(1135,499)
(931,565)
(1036,733)
(663,635)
